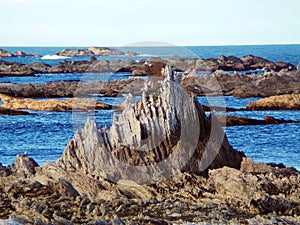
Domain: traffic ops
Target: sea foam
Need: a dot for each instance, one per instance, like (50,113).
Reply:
(54,57)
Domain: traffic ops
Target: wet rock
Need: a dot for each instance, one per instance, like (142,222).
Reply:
(23,54)
(244,121)
(230,63)
(4,53)
(280,102)
(40,67)
(242,85)
(15,69)
(102,51)
(93,51)
(9,112)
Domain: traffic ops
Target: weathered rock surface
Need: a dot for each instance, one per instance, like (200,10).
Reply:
(93,51)
(219,83)
(4,53)
(243,85)
(81,104)
(280,102)
(24,54)
(151,67)
(15,69)
(73,89)
(97,179)
(244,121)
(255,194)
(9,112)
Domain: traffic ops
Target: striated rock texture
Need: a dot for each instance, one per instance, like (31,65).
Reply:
(11,103)
(280,102)
(152,139)
(98,181)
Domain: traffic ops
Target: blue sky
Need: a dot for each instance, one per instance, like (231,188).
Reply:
(121,22)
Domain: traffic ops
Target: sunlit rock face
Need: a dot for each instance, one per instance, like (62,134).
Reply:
(152,139)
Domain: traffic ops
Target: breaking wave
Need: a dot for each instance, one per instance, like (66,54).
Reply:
(53,57)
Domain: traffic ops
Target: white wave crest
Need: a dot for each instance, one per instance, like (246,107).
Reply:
(53,57)
(147,55)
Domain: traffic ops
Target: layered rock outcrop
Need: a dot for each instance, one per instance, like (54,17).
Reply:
(162,161)
(81,104)
(155,130)
(280,102)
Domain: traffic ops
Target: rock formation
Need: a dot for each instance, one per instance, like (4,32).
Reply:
(280,102)
(244,121)
(4,53)
(23,54)
(151,66)
(219,83)
(9,112)
(81,104)
(162,161)
(146,134)
(243,85)
(93,51)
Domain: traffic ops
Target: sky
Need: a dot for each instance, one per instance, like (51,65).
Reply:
(122,22)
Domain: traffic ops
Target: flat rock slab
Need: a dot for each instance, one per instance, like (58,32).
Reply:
(78,104)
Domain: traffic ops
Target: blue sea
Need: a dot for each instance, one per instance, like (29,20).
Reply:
(45,134)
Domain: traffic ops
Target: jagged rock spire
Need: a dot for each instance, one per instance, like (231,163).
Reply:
(152,139)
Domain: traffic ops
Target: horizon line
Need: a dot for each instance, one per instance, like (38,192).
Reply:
(162,45)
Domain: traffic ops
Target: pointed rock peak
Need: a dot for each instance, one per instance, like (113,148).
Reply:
(152,139)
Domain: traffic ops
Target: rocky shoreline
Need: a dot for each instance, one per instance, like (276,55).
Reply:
(92,51)
(149,168)
(216,84)
(149,67)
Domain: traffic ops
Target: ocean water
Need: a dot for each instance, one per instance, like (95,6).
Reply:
(45,134)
